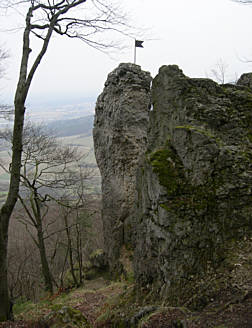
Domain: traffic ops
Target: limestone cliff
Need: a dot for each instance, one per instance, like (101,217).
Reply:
(194,183)
(120,136)
(192,175)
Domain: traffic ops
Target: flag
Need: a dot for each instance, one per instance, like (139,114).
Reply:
(138,43)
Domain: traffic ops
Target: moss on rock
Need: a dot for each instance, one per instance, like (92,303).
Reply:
(194,188)
(167,166)
(66,317)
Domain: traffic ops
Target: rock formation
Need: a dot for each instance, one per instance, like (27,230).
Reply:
(245,80)
(193,182)
(120,135)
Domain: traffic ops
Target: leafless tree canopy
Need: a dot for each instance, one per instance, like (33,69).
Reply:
(219,72)
(51,174)
(46,163)
(87,21)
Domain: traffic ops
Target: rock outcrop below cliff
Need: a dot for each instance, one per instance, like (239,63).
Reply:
(120,138)
(193,183)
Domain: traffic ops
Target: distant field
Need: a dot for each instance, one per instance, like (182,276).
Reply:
(64,128)
(4,177)
(85,145)
(78,140)
(5,159)
(3,190)
(2,196)
(83,141)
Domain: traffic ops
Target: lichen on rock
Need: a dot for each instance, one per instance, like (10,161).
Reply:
(194,184)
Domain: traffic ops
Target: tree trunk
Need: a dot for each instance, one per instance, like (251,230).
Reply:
(7,208)
(4,294)
(44,262)
(63,270)
(22,89)
(70,248)
(79,251)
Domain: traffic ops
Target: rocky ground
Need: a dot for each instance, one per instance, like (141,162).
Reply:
(99,303)
(223,299)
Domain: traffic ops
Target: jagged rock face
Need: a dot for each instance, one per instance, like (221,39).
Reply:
(120,136)
(245,80)
(194,182)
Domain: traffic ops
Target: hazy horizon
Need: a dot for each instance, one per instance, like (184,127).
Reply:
(52,110)
(192,34)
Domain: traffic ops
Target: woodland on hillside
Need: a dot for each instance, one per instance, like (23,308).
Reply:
(56,223)
(43,19)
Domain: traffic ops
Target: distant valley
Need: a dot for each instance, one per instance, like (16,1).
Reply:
(71,127)
(48,113)
(75,132)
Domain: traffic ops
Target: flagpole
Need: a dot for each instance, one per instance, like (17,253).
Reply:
(134,51)
(139,44)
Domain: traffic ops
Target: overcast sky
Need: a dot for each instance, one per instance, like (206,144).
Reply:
(193,34)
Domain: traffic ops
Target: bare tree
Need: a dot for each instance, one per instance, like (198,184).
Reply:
(85,230)
(23,264)
(47,173)
(219,72)
(70,248)
(75,208)
(43,19)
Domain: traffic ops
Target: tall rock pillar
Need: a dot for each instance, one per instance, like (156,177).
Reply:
(120,138)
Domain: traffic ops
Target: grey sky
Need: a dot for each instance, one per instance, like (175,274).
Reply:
(193,34)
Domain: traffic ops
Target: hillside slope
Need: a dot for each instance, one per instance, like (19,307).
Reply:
(102,303)
(65,128)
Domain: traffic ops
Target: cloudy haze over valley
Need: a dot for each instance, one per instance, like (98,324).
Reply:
(192,34)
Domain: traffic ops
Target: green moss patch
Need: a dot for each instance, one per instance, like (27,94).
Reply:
(168,168)
(66,317)
(181,193)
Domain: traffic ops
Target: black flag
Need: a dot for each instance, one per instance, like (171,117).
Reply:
(138,43)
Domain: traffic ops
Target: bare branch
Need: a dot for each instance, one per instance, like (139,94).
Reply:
(220,71)
(60,230)
(245,2)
